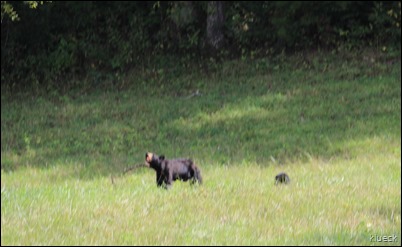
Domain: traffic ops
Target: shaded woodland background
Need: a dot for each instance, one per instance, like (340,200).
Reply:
(62,45)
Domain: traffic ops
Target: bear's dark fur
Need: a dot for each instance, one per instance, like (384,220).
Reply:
(168,171)
(282,178)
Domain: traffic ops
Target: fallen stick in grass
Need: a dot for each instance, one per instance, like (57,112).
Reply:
(112,178)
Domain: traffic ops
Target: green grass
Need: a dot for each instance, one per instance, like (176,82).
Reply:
(332,123)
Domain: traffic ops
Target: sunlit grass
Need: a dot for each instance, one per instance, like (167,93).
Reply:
(334,129)
(327,202)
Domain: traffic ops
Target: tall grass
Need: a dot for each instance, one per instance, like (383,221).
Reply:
(332,123)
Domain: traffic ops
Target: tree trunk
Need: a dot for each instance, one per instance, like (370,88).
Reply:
(215,22)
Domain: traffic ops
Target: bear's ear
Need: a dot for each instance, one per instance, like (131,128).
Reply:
(162,157)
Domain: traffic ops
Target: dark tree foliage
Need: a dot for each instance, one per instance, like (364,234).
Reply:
(61,41)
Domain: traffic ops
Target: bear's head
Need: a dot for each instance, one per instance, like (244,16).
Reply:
(152,160)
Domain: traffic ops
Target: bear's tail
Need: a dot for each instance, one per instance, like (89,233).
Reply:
(197,174)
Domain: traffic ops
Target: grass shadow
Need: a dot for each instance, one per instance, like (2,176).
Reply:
(260,115)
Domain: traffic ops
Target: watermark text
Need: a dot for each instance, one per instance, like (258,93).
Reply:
(384,238)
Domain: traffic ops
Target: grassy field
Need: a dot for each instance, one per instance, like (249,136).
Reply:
(332,123)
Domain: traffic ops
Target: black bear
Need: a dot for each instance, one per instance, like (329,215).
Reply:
(282,178)
(168,171)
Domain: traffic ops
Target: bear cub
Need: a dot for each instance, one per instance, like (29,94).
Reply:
(282,178)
